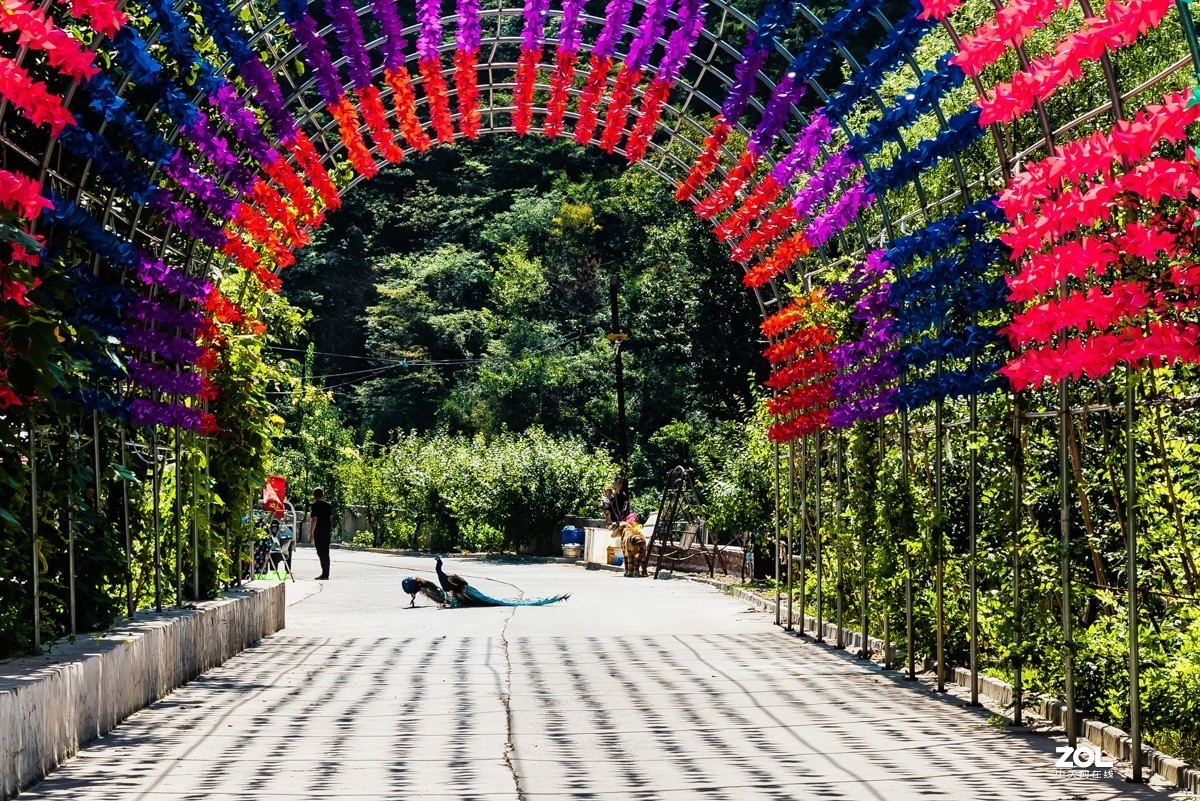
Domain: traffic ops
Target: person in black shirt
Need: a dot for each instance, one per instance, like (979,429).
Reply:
(606,506)
(620,499)
(321,516)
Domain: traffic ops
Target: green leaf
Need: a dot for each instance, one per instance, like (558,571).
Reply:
(123,472)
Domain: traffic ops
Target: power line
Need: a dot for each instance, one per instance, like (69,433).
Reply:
(404,362)
(391,364)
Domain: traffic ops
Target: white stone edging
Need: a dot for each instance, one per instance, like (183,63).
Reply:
(54,704)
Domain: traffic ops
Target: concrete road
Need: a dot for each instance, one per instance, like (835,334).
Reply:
(632,689)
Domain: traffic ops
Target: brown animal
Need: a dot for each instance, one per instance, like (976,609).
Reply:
(633,547)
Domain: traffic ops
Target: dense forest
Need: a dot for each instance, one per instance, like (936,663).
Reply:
(466,293)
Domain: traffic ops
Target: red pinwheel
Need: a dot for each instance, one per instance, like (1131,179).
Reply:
(356,149)
(22,194)
(770,230)
(938,9)
(799,342)
(589,97)
(799,372)
(103,15)
(283,174)
(306,155)
(38,32)
(707,161)
(376,119)
(405,101)
(786,253)
(32,97)
(725,194)
(793,314)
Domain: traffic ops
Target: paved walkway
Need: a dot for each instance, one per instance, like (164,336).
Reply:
(632,689)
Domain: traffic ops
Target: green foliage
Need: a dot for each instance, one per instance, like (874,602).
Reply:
(96,487)
(440,491)
(738,492)
(470,286)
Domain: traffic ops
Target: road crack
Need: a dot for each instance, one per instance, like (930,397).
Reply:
(506,700)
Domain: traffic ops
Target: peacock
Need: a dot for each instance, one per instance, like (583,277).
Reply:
(425,587)
(457,592)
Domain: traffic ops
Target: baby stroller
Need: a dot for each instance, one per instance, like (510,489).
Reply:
(274,544)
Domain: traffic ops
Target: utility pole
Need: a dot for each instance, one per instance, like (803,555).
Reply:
(617,338)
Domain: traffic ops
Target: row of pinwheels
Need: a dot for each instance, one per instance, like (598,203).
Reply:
(241,176)
(1099,231)
(1099,236)
(223,181)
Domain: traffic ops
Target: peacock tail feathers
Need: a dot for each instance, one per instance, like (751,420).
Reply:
(473,597)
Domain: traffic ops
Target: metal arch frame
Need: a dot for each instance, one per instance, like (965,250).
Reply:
(161,243)
(129,221)
(665,160)
(664,154)
(680,113)
(963,193)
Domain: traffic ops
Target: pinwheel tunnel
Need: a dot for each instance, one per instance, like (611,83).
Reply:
(959,221)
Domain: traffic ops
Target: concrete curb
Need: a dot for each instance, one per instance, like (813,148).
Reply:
(852,639)
(52,705)
(1111,740)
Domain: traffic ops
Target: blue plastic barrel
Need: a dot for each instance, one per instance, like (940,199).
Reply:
(572,535)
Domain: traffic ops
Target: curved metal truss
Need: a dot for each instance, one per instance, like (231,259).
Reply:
(683,123)
(963,177)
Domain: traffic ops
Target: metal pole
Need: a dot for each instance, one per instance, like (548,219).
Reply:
(307,487)
(96,470)
(618,339)
(972,536)
(1189,31)
(820,630)
(178,520)
(1135,709)
(939,569)
(155,485)
(1064,520)
(67,528)
(777,587)
(837,508)
(208,503)
(1018,504)
(865,653)
(33,528)
(909,632)
(887,605)
(791,518)
(803,532)
(69,519)
(195,523)
(131,604)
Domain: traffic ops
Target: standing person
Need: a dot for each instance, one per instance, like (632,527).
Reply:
(606,505)
(620,499)
(321,520)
